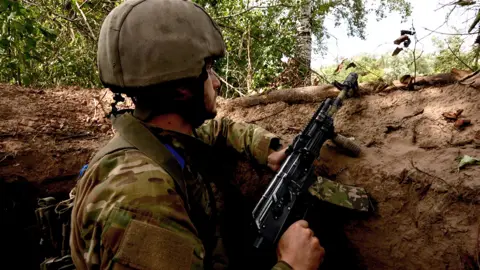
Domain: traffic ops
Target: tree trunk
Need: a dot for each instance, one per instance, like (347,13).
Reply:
(310,94)
(304,40)
(249,66)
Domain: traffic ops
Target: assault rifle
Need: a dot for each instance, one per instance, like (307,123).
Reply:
(286,198)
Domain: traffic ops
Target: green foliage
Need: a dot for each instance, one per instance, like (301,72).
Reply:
(385,68)
(45,43)
(48,42)
(452,54)
(21,42)
(259,35)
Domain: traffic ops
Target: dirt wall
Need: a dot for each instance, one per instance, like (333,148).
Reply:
(427,211)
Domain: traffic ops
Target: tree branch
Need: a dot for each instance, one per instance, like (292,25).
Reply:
(477,55)
(451,34)
(419,56)
(309,94)
(63,17)
(323,77)
(445,22)
(459,59)
(231,86)
(249,62)
(85,19)
(250,9)
(84,2)
(365,68)
(449,4)
(226,74)
(414,57)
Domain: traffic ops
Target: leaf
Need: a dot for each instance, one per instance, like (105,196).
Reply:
(29,27)
(4,43)
(4,28)
(465,3)
(475,22)
(30,43)
(468,160)
(3,5)
(49,34)
(11,16)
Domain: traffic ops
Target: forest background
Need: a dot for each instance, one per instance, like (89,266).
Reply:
(271,43)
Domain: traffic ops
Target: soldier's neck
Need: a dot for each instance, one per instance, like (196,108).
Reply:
(172,122)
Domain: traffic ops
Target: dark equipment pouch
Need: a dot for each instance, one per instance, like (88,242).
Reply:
(53,219)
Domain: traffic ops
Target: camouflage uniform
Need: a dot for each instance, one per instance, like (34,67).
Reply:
(350,197)
(130,213)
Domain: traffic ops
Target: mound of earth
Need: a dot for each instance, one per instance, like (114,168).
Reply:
(47,135)
(427,210)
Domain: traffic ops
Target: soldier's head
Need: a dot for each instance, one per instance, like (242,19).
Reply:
(161,53)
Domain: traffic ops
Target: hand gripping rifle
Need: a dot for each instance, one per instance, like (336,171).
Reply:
(286,198)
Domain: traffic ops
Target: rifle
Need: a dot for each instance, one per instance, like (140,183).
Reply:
(286,197)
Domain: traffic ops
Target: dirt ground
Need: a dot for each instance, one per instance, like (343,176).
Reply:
(47,135)
(427,211)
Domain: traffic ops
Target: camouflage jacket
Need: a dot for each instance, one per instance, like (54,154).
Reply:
(129,213)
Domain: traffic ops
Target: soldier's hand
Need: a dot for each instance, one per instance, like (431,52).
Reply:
(275,159)
(300,248)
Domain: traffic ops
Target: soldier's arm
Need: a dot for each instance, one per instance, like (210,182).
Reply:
(253,141)
(135,219)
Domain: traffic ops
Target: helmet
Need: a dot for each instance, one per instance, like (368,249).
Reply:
(149,42)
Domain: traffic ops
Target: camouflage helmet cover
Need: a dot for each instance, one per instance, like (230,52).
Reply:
(148,42)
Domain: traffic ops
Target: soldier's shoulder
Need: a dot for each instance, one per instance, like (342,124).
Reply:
(127,161)
(127,175)
(127,183)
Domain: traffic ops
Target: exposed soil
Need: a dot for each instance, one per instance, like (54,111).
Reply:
(427,211)
(49,134)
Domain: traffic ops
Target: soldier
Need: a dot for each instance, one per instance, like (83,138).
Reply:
(143,202)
